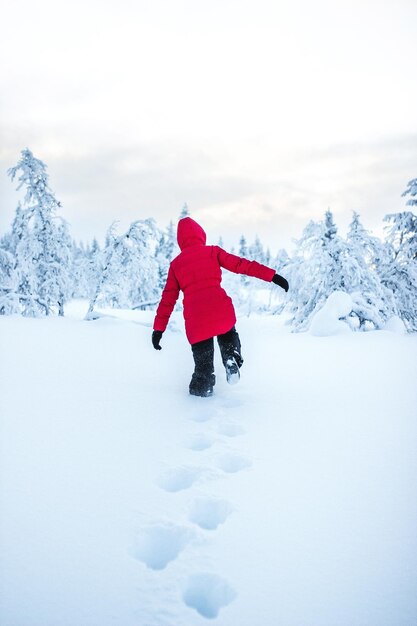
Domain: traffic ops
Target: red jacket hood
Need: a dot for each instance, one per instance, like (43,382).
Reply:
(189,233)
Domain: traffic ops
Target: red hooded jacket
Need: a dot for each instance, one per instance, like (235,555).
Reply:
(196,271)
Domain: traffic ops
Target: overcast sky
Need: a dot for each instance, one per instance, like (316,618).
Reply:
(259,114)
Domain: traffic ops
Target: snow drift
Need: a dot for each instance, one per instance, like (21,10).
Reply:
(288,499)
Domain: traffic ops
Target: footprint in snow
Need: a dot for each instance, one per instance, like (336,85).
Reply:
(202,416)
(157,545)
(199,442)
(179,478)
(207,594)
(232,463)
(209,513)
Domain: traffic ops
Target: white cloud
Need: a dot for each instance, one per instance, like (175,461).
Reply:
(259,115)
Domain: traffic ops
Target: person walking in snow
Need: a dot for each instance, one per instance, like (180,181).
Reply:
(208,310)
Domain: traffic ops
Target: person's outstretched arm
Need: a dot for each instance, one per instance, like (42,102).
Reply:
(166,306)
(239,265)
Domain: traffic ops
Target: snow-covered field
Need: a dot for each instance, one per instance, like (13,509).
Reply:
(287,500)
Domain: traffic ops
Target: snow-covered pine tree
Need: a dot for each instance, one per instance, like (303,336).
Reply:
(86,264)
(268,257)
(21,244)
(111,280)
(412,191)
(243,247)
(256,251)
(251,294)
(144,273)
(9,302)
(6,242)
(94,257)
(165,251)
(18,230)
(64,260)
(185,211)
(9,299)
(317,269)
(398,270)
(259,294)
(301,300)
(243,252)
(80,265)
(281,260)
(372,301)
(42,254)
(128,272)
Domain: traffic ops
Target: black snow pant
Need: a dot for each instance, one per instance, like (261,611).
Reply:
(203,378)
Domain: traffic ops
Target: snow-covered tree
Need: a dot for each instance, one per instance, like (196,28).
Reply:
(372,301)
(256,251)
(243,247)
(317,269)
(6,242)
(166,249)
(325,263)
(42,241)
(79,272)
(243,252)
(18,230)
(398,270)
(268,257)
(128,272)
(412,191)
(21,245)
(63,257)
(9,298)
(86,267)
(281,261)
(19,289)
(145,269)
(9,301)
(362,242)
(249,294)
(185,211)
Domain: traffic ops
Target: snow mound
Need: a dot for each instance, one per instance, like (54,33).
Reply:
(327,320)
(395,325)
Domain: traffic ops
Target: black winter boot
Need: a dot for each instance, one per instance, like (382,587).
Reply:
(230,349)
(203,378)
(232,371)
(201,387)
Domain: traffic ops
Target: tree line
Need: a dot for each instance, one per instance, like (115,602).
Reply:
(42,267)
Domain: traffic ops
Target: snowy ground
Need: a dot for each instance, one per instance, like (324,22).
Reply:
(288,500)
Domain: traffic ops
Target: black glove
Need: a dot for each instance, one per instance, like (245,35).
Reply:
(281,282)
(156,338)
